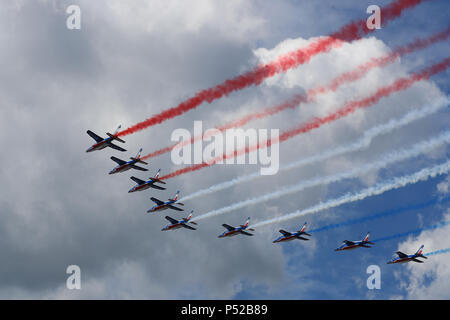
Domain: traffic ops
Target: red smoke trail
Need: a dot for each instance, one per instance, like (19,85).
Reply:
(353,75)
(352,31)
(348,108)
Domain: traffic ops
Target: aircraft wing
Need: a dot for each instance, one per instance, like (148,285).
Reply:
(188,226)
(157,201)
(417,260)
(137,180)
(94,136)
(112,145)
(118,161)
(172,220)
(226,226)
(173,207)
(157,187)
(246,233)
(138,168)
(349,243)
(285,233)
(401,254)
(301,238)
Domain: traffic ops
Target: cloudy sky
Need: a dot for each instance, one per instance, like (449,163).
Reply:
(133,59)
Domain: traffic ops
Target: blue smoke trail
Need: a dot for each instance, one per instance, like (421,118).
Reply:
(437,252)
(416,231)
(382,214)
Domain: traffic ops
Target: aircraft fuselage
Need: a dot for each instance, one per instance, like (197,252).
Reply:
(285,239)
(402,260)
(122,167)
(99,146)
(351,247)
(160,207)
(172,226)
(140,187)
(229,233)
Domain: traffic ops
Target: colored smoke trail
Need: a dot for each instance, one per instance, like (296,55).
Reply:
(378,189)
(441,251)
(348,108)
(352,31)
(380,215)
(412,232)
(346,77)
(396,156)
(360,144)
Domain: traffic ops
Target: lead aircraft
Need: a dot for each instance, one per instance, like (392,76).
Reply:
(102,143)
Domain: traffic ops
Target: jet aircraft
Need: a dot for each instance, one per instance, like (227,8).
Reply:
(349,245)
(163,205)
(403,258)
(102,143)
(143,185)
(124,165)
(288,236)
(183,223)
(232,231)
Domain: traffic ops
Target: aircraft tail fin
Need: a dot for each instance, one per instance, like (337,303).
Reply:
(247,222)
(366,238)
(175,197)
(156,177)
(190,217)
(114,135)
(419,252)
(138,157)
(303,229)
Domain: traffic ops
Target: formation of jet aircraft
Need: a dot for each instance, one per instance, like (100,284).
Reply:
(102,143)
(141,184)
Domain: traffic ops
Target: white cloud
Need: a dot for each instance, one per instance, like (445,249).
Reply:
(443,187)
(236,19)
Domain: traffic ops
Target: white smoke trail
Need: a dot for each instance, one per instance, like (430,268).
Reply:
(362,143)
(386,160)
(378,189)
